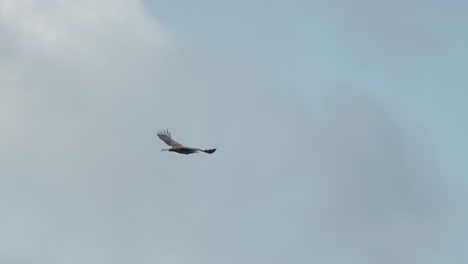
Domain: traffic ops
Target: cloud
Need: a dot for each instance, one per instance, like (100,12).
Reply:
(86,84)
(59,53)
(66,67)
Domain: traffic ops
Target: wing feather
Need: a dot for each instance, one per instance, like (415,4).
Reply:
(165,136)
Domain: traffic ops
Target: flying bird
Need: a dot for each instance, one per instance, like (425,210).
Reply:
(165,136)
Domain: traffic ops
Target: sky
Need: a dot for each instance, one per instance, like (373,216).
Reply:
(339,127)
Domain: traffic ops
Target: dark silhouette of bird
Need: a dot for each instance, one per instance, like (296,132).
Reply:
(165,136)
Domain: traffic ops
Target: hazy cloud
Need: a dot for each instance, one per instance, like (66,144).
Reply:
(86,84)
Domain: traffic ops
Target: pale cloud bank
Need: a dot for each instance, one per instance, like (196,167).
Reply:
(85,84)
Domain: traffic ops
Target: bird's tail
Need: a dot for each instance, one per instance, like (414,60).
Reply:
(209,151)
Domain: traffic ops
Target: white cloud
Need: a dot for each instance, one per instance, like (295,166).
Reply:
(60,54)
(55,24)
(64,67)
(84,86)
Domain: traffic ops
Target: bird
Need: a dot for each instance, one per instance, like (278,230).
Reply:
(165,136)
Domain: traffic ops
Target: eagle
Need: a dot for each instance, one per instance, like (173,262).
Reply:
(165,136)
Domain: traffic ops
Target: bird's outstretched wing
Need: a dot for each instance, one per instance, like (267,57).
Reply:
(165,136)
(209,151)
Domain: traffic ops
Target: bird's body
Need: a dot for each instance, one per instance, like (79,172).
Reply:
(186,150)
(177,147)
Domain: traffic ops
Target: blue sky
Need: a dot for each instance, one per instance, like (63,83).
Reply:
(408,55)
(339,126)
